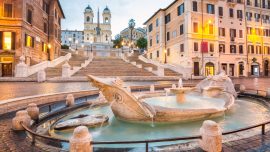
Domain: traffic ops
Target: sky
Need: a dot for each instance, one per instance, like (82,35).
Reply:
(122,11)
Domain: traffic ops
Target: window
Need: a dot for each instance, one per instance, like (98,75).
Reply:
(251,49)
(151,43)
(239,14)
(157,22)
(221,31)
(174,34)
(232,33)
(45,7)
(211,29)
(222,48)
(45,27)
(29,16)
(195,6)
(157,39)
(7,40)
(7,10)
(196,46)
(257,17)
(240,33)
(241,50)
(182,29)
(248,2)
(210,9)
(249,16)
(168,52)
(151,55)
(44,47)
(195,27)
(157,54)
(182,48)
(168,36)
(231,12)
(150,27)
(29,41)
(55,13)
(181,9)
(87,19)
(167,18)
(232,48)
(220,11)
(256,3)
(258,49)
(211,47)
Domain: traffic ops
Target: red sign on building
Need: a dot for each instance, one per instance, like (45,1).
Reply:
(204,47)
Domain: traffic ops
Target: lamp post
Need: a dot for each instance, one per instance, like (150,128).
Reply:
(91,43)
(49,52)
(131,26)
(76,43)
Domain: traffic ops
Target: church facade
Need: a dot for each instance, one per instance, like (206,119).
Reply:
(98,34)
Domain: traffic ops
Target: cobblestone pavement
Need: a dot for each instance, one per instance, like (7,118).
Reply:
(9,90)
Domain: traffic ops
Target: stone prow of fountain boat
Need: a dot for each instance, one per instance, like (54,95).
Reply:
(126,106)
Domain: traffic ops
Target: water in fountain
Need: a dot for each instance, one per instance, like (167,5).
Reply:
(180,83)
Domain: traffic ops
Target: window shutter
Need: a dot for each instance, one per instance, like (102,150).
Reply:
(13,41)
(33,43)
(25,40)
(1,40)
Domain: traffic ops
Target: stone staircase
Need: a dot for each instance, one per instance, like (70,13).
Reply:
(112,67)
(135,58)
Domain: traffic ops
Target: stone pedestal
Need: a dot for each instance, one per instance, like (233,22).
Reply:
(21,69)
(66,70)
(70,101)
(41,76)
(21,117)
(160,71)
(211,137)
(152,88)
(268,93)
(33,111)
(242,88)
(81,140)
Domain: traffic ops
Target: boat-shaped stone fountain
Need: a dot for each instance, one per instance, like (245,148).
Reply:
(127,107)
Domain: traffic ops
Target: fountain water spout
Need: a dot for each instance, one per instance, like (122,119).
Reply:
(180,83)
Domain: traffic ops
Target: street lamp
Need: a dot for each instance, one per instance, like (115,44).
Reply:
(165,52)
(49,51)
(131,26)
(76,42)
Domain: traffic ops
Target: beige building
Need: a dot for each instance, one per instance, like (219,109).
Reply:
(137,33)
(31,29)
(210,35)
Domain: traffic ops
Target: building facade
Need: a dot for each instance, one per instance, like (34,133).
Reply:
(29,28)
(212,35)
(73,39)
(97,34)
(137,33)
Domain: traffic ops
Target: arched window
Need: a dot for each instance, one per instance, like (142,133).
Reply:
(88,19)
(106,20)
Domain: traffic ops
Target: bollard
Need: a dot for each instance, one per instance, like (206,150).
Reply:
(70,100)
(211,137)
(33,111)
(268,93)
(81,140)
(152,88)
(242,88)
(21,117)
(41,76)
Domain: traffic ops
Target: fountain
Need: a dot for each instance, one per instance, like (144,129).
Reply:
(126,106)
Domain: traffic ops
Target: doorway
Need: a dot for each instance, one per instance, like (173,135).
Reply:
(255,70)
(241,69)
(266,68)
(6,69)
(196,69)
(209,69)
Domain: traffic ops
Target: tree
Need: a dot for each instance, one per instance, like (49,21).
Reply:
(142,43)
(117,43)
(64,47)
